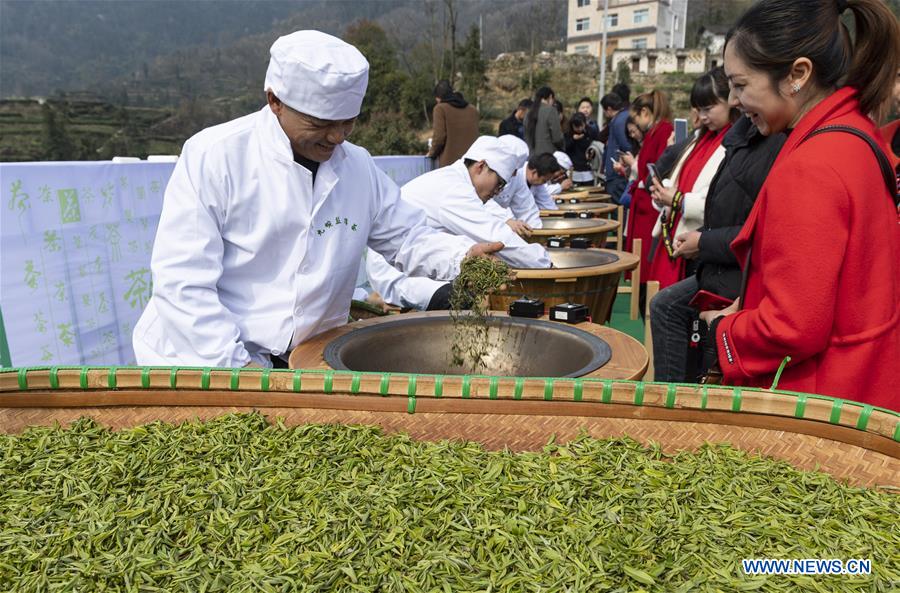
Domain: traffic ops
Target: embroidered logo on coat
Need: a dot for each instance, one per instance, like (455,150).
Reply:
(335,223)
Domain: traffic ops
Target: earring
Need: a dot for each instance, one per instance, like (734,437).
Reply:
(795,88)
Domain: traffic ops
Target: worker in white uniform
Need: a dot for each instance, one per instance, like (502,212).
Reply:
(266,217)
(456,199)
(515,201)
(562,181)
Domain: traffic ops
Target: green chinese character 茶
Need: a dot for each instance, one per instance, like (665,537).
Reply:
(65,333)
(31,275)
(51,241)
(69,208)
(139,292)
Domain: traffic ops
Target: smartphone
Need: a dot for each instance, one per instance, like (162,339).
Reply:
(681,130)
(652,174)
(709,301)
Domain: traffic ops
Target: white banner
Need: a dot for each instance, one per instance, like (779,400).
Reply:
(75,245)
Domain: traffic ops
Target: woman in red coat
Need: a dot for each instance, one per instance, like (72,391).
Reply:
(651,114)
(821,247)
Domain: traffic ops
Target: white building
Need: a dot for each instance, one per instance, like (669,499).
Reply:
(631,24)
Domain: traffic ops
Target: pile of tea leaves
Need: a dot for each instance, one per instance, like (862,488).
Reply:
(478,278)
(238,504)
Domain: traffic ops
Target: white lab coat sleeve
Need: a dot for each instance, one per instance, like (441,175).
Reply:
(186,266)
(460,215)
(525,208)
(397,288)
(400,234)
(554,188)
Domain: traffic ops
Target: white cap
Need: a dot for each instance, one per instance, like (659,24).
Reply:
(498,157)
(517,146)
(317,74)
(563,159)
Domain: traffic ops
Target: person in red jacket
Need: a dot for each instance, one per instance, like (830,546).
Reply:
(652,115)
(821,246)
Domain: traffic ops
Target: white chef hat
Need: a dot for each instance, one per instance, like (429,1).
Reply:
(563,159)
(498,157)
(517,146)
(317,74)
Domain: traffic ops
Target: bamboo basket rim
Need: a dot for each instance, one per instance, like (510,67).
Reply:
(66,386)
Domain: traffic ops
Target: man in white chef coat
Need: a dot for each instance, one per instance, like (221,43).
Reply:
(515,201)
(266,217)
(454,198)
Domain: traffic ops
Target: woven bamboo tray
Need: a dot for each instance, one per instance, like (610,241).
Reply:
(851,441)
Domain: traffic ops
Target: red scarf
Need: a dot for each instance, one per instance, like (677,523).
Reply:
(664,268)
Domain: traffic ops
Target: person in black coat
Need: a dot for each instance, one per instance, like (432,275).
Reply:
(515,123)
(748,157)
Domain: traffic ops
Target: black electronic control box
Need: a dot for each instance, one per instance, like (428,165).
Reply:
(526,307)
(569,313)
(579,243)
(556,242)
(570,214)
(585,215)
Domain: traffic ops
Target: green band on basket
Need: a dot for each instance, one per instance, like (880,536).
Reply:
(204,379)
(54,378)
(297,383)
(83,378)
(783,364)
(836,411)
(606,397)
(670,396)
(411,386)
(548,389)
(328,382)
(264,379)
(173,378)
(800,410)
(704,397)
(145,377)
(411,404)
(111,377)
(23,378)
(737,398)
(863,421)
(897,432)
(639,394)
(439,386)
(385,384)
(577,389)
(519,388)
(235,379)
(354,383)
(492,390)
(466,386)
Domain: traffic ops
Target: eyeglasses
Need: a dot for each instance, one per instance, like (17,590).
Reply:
(500,182)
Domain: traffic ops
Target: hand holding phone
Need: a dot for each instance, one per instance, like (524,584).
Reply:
(652,176)
(709,301)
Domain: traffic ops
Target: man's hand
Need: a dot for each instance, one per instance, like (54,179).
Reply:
(378,301)
(521,229)
(628,159)
(566,184)
(710,316)
(687,245)
(485,249)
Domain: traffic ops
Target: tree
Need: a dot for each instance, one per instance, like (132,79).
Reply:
(623,72)
(472,66)
(58,145)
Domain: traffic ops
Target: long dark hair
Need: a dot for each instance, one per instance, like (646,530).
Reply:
(774,33)
(710,89)
(577,119)
(531,117)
